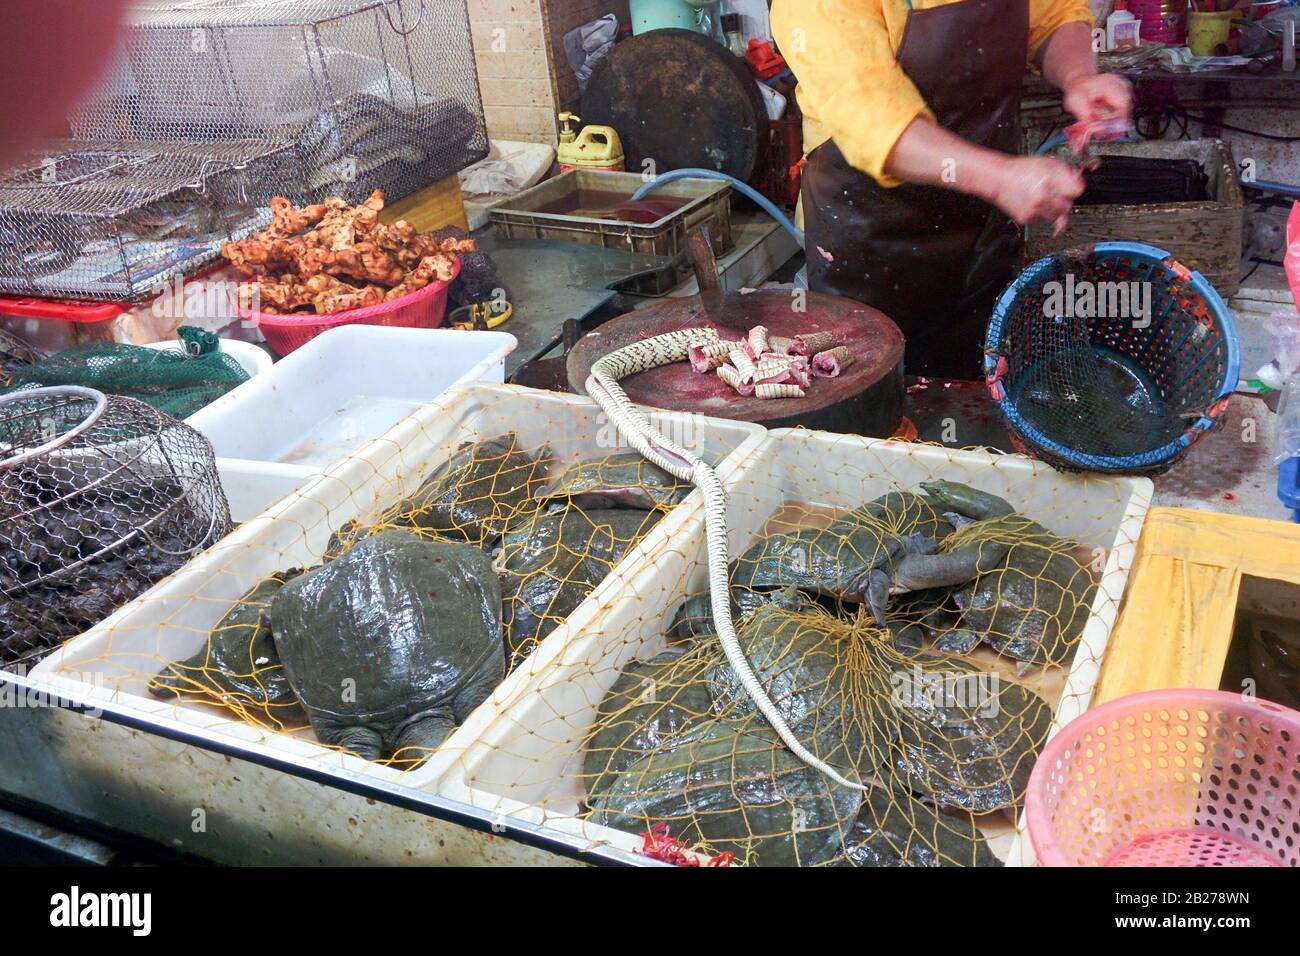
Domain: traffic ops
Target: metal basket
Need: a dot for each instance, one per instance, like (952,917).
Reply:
(100,497)
(371,93)
(1119,393)
(118,220)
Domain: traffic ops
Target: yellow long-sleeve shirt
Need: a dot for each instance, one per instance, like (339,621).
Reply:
(851,88)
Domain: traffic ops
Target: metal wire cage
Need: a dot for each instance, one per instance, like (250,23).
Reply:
(370,93)
(119,219)
(100,497)
(1111,357)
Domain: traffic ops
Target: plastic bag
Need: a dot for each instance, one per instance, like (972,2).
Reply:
(1283,374)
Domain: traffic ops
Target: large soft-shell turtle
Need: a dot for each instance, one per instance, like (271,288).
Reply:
(477,492)
(238,665)
(1033,605)
(652,706)
(821,675)
(734,787)
(390,646)
(886,544)
(625,480)
(551,561)
(966,738)
(895,829)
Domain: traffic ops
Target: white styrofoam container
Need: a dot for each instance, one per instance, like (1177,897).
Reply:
(523,760)
(114,660)
(328,398)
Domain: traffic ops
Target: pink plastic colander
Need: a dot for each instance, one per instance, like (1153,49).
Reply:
(1170,778)
(423,309)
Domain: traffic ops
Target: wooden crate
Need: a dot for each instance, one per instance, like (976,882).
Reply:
(432,207)
(1205,236)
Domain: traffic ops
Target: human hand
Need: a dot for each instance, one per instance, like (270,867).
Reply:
(1038,189)
(1097,96)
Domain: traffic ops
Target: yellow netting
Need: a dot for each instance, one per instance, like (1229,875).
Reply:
(617,713)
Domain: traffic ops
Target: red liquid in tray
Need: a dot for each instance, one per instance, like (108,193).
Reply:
(603,204)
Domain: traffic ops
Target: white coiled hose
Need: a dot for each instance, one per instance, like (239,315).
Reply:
(602,385)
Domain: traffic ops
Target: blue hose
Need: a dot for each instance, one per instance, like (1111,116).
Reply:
(744,188)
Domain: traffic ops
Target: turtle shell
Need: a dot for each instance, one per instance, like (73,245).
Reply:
(396,627)
(550,561)
(238,665)
(966,738)
(625,480)
(1034,605)
(694,617)
(819,673)
(834,561)
(895,829)
(652,706)
(474,495)
(732,787)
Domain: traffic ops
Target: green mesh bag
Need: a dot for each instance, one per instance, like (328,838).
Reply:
(176,383)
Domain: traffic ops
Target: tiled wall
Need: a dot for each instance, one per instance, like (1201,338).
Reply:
(523,74)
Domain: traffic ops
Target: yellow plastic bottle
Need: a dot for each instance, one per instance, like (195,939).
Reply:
(594,147)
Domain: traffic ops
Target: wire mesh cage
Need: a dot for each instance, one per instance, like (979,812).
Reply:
(101,219)
(1110,357)
(614,714)
(15,354)
(370,93)
(100,497)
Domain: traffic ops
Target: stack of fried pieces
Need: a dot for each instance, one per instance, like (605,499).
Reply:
(330,257)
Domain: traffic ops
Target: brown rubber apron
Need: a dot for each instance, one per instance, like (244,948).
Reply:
(931,259)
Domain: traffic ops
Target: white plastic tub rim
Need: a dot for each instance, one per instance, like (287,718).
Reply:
(521,758)
(113,661)
(252,484)
(340,354)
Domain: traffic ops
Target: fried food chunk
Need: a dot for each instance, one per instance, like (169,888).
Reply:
(331,256)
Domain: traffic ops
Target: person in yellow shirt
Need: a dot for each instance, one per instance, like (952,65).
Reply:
(912,195)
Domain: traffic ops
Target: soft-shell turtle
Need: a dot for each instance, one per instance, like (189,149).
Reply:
(734,787)
(551,561)
(819,673)
(624,480)
(895,829)
(474,495)
(886,544)
(966,738)
(1033,605)
(238,664)
(694,618)
(393,644)
(653,705)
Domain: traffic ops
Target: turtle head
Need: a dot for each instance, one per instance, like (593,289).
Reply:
(967,501)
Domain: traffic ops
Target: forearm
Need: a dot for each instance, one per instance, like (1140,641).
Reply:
(929,155)
(1067,55)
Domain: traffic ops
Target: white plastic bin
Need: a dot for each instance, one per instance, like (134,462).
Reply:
(253,360)
(523,760)
(114,660)
(328,398)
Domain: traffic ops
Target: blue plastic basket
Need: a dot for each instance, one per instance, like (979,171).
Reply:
(1186,358)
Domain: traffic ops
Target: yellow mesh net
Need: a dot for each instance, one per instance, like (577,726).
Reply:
(913,632)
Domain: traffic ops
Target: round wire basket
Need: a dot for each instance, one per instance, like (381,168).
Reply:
(1111,357)
(100,497)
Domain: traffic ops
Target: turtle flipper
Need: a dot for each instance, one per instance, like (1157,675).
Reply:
(365,742)
(876,592)
(416,740)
